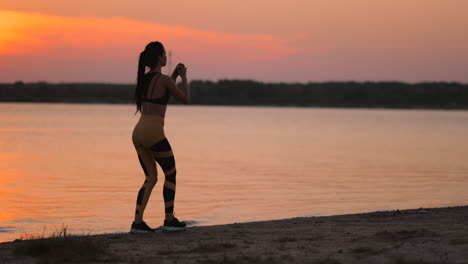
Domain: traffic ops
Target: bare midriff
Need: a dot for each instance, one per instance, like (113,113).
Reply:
(148,108)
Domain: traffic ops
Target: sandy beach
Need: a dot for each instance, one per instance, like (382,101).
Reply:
(424,235)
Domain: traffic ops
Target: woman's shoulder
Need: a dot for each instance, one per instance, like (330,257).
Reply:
(154,75)
(165,78)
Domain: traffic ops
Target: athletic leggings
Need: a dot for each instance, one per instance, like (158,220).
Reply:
(152,145)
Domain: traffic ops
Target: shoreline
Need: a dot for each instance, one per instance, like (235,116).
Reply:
(350,107)
(424,235)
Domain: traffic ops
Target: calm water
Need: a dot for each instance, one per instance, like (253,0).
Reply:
(75,165)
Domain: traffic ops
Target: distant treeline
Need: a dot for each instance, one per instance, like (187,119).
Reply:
(448,95)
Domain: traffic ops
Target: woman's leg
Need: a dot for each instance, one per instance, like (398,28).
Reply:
(151,177)
(162,153)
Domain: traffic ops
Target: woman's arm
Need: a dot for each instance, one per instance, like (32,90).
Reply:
(185,88)
(174,75)
(182,96)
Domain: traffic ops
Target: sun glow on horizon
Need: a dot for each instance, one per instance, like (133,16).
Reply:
(56,40)
(36,33)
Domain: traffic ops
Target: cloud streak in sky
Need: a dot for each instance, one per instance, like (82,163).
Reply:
(68,42)
(335,40)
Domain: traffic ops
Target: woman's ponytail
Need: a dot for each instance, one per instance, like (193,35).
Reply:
(148,58)
(140,75)
(141,66)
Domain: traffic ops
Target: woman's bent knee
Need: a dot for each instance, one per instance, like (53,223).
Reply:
(151,180)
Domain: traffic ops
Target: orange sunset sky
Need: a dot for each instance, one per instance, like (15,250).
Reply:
(288,41)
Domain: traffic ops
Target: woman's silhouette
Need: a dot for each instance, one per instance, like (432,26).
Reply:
(152,92)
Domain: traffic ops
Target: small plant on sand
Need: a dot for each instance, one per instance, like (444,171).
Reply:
(59,246)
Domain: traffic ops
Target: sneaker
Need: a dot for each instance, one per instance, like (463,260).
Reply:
(141,228)
(173,225)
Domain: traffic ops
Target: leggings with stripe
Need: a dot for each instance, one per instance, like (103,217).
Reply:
(152,145)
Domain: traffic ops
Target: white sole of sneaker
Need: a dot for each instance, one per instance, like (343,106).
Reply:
(138,231)
(171,228)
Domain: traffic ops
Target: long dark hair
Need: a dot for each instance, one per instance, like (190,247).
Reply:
(148,58)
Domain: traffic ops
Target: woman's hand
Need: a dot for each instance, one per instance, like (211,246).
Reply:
(182,70)
(175,73)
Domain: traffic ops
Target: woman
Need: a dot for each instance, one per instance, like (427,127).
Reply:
(152,92)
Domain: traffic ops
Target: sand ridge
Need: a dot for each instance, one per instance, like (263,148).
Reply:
(425,235)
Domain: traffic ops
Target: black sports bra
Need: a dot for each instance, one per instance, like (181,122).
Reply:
(161,100)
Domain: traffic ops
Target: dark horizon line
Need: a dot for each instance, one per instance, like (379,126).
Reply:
(252,80)
(451,95)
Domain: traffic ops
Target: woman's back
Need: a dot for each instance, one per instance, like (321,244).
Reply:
(155,100)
